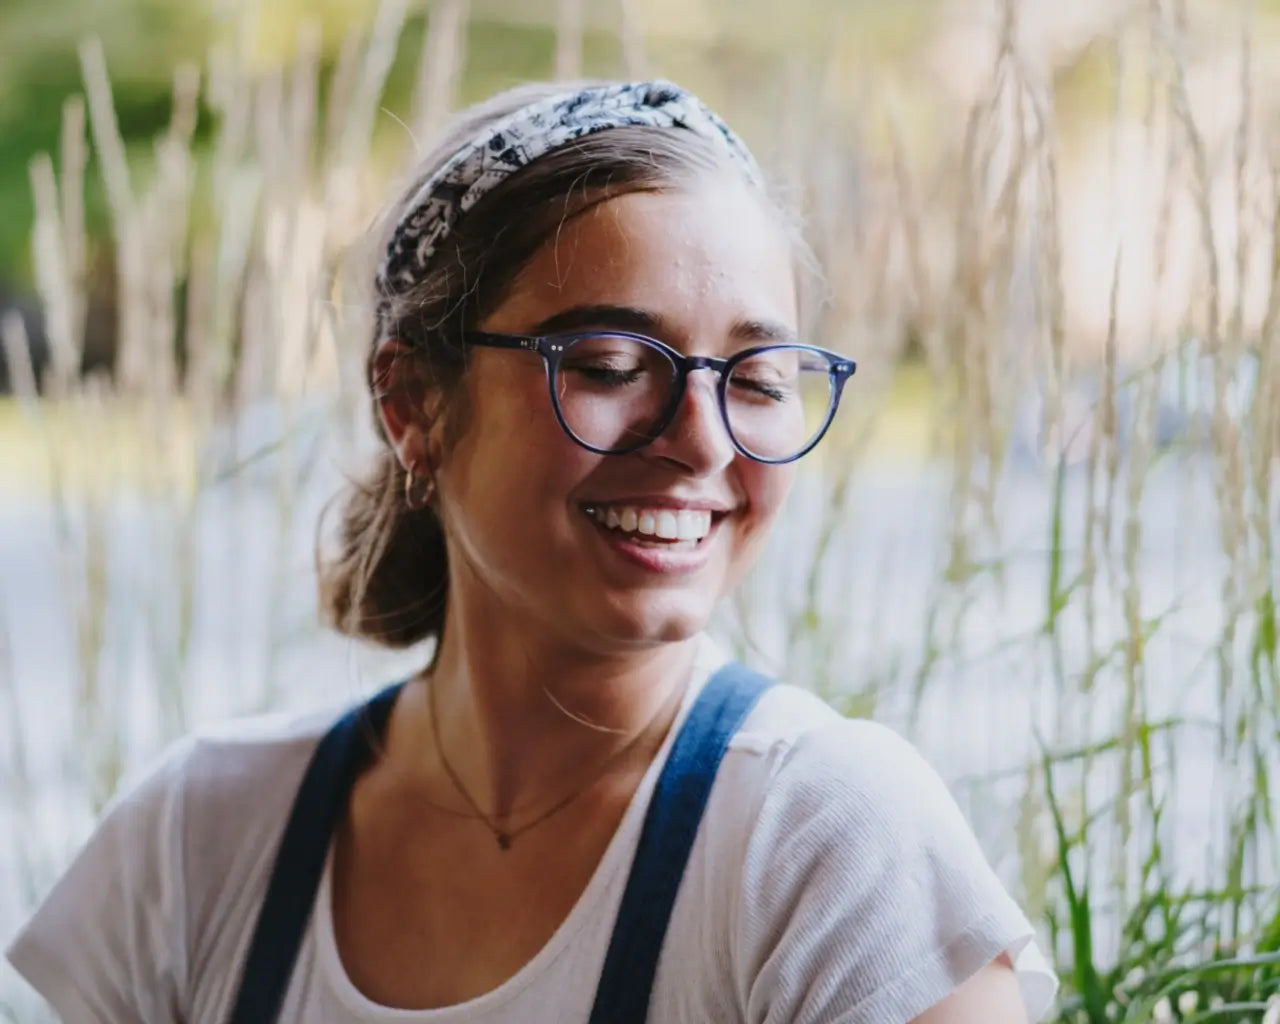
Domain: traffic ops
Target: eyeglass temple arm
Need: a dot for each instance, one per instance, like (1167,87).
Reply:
(516,341)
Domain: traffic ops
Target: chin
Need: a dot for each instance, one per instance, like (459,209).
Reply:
(647,619)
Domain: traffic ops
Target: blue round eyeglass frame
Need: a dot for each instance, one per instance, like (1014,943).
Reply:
(552,349)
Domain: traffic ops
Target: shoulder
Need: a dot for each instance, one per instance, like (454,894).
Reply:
(812,750)
(854,782)
(181,799)
(783,713)
(119,935)
(858,766)
(206,791)
(863,891)
(263,756)
(855,816)
(246,767)
(236,783)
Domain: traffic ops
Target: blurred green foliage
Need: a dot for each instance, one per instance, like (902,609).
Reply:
(145,40)
(874,45)
(508,41)
(39,69)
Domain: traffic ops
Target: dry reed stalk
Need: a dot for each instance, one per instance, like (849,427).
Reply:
(631,31)
(997,168)
(1266,414)
(341,88)
(1229,490)
(570,15)
(303,103)
(295,243)
(17,357)
(440,68)
(852,239)
(52,277)
(851,230)
(73,158)
(1134,769)
(16,761)
(83,557)
(1102,446)
(1048,226)
(166,210)
(58,250)
(361,114)
(923,306)
(106,130)
(235,188)
(271,143)
(346,182)
(850,236)
(966,291)
(1242,140)
(131,359)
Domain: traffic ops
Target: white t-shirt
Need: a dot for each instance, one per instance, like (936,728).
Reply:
(833,879)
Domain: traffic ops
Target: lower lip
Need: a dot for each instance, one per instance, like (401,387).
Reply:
(670,561)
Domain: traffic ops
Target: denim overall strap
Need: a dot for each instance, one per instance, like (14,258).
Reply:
(670,827)
(299,864)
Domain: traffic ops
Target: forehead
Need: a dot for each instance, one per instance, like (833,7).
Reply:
(699,258)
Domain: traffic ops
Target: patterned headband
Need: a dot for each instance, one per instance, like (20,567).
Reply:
(526,135)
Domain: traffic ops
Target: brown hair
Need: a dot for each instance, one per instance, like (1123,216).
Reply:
(388,580)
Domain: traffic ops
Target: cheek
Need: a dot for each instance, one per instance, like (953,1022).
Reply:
(512,461)
(766,488)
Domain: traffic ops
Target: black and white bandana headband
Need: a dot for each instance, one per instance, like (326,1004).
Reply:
(523,137)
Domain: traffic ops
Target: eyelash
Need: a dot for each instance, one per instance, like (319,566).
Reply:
(605,375)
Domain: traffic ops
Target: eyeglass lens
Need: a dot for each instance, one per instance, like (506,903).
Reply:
(615,392)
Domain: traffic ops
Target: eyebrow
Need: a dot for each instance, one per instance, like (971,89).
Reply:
(643,321)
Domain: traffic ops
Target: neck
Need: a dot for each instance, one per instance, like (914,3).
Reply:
(524,720)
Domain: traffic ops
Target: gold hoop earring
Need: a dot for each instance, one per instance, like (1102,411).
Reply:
(418,490)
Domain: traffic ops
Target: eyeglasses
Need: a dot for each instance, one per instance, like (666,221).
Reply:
(614,392)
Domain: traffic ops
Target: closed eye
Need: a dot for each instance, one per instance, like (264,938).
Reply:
(610,376)
(763,389)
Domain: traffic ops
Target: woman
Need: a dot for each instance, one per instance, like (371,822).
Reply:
(587,373)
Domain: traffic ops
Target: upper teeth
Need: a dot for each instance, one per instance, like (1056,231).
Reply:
(664,523)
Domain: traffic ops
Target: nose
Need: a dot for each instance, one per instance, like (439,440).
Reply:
(696,439)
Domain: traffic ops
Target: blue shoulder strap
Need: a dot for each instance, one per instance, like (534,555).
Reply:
(299,864)
(667,836)
(666,839)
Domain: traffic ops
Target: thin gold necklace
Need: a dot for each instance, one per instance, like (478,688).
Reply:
(505,837)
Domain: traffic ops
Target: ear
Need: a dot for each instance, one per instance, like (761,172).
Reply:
(403,396)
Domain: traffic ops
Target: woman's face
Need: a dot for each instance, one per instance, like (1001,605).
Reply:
(707,270)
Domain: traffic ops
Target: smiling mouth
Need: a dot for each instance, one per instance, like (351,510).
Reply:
(657,527)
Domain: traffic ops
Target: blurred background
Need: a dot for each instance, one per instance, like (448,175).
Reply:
(1040,541)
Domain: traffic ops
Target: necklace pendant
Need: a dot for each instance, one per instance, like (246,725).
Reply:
(504,840)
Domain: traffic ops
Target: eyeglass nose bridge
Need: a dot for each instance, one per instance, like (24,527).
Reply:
(687,365)
(715,365)
(690,364)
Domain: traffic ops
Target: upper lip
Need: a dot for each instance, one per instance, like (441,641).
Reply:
(666,501)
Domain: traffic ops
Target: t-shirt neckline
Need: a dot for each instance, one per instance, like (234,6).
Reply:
(618,853)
